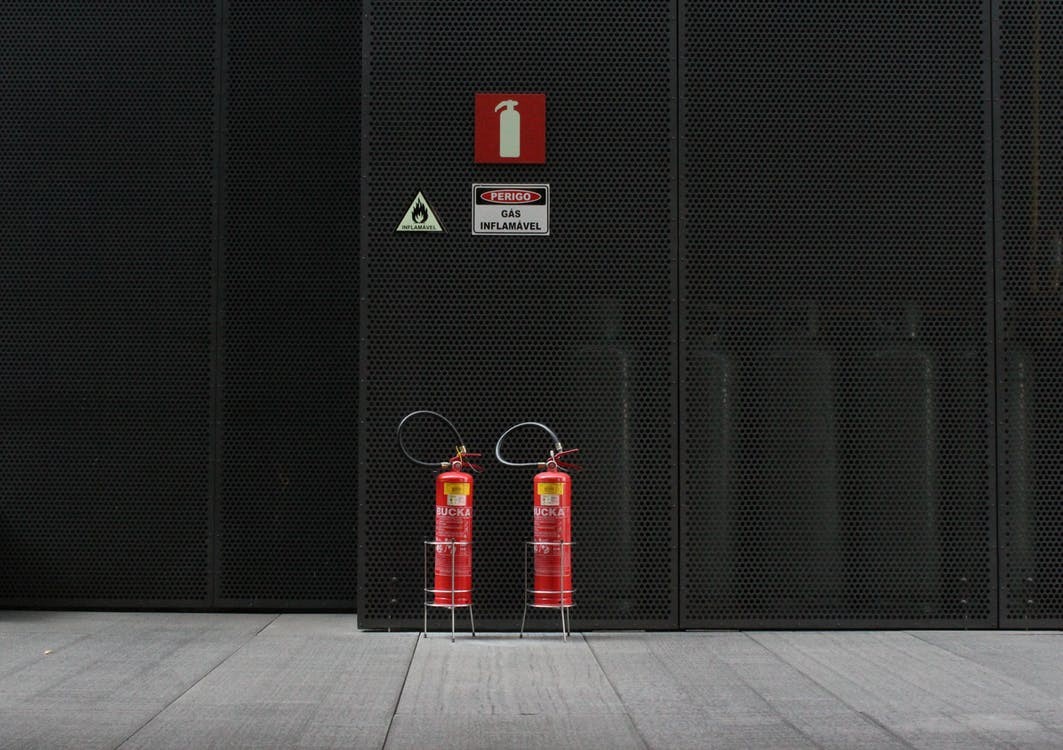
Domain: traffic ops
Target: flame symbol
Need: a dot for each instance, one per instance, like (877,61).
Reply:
(420,213)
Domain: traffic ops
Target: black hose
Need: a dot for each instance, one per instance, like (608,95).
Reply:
(402,445)
(540,425)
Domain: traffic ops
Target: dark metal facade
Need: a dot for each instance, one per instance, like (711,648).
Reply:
(837,417)
(576,329)
(1030,300)
(286,506)
(178,249)
(107,222)
(799,305)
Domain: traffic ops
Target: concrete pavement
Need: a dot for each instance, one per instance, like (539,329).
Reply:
(156,680)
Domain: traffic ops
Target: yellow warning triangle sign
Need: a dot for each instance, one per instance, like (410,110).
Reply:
(419,218)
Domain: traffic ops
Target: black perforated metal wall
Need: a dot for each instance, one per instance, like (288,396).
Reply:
(836,297)
(576,329)
(106,232)
(179,228)
(1030,175)
(287,506)
(765,310)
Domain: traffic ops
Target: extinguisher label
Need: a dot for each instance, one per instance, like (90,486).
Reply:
(456,499)
(551,488)
(550,499)
(455,488)
(456,512)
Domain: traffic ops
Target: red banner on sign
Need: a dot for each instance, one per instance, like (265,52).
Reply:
(511,128)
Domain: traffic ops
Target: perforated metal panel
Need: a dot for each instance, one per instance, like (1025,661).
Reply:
(575,329)
(836,342)
(287,506)
(795,373)
(106,229)
(1030,149)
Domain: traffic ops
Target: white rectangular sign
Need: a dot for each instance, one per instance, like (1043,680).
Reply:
(511,209)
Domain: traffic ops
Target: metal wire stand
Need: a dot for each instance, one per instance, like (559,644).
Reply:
(452,591)
(560,591)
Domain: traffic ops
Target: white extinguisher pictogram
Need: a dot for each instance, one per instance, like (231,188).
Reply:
(508,130)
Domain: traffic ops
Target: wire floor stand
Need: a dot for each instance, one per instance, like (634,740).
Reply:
(560,591)
(452,592)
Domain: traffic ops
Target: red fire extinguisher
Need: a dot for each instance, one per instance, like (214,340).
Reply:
(452,586)
(551,521)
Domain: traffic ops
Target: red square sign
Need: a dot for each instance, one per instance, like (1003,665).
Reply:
(511,128)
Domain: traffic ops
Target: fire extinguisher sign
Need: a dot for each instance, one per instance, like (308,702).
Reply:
(511,209)
(510,129)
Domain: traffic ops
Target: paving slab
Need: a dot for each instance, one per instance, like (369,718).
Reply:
(19,650)
(924,694)
(501,691)
(18,621)
(500,732)
(88,680)
(507,675)
(307,681)
(28,727)
(310,625)
(726,691)
(172,680)
(1032,658)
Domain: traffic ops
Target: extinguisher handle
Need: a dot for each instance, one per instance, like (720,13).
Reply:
(462,458)
(434,464)
(556,458)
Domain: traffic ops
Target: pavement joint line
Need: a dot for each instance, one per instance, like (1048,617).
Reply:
(983,669)
(830,692)
(887,668)
(957,706)
(868,717)
(402,689)
(771,707)
(202,677)
(620,700)
(995,673)
(958,710)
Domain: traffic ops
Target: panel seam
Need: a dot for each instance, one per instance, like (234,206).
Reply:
(679,455)
(217,296)
(997,323)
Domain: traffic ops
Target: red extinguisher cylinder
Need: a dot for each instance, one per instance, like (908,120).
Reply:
(453,562)
(552,538)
